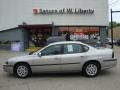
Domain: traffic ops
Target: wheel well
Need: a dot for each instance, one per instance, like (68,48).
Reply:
(92,61)
(21,63)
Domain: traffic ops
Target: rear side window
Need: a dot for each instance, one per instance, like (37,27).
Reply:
(85,48)
(74,48)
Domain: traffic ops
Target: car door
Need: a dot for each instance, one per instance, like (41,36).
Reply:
(49,60)
(73,56)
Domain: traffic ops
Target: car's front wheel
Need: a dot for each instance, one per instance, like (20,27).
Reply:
(22,70)
(91,69)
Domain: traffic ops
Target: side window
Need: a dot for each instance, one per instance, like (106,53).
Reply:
(74,48)
(85,48)
(52,50)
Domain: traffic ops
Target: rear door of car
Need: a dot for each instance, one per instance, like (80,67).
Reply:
(73,56)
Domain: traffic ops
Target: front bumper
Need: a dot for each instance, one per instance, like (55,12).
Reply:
(109,63)
(8,68)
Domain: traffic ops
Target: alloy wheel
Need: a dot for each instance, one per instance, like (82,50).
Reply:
(22,71)
(91,69)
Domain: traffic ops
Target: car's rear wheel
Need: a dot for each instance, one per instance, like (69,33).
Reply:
(91,69)
(22,70)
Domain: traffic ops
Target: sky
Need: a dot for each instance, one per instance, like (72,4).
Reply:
(115,5)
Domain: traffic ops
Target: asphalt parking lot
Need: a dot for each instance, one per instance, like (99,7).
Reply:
(107,80)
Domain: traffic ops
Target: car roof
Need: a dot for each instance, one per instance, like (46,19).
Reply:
(66,42)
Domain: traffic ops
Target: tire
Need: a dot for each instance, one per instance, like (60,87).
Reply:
(91,69)
(22,70)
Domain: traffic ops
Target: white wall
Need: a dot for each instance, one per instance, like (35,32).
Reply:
(14,12)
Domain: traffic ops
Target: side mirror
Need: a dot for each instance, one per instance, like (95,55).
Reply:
(39,54)
(31,53)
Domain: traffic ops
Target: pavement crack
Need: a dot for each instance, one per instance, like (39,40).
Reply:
(28,86)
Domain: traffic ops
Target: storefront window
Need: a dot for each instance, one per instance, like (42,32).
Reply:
(38,38)
(90,35)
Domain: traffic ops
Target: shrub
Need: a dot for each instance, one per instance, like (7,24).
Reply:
(6,42)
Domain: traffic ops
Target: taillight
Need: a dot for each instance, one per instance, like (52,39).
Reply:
(112,54)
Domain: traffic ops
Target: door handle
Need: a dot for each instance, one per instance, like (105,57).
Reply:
(57,59)
(82,56)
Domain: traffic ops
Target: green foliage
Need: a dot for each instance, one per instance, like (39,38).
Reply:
(5,42)
(115,24)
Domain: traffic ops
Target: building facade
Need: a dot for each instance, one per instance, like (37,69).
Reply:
(38,18)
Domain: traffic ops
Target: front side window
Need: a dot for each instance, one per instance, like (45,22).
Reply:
(52,50)
(74,48)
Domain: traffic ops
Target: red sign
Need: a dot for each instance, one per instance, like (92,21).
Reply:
(35,11)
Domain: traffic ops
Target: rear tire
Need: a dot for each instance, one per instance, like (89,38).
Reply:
(22,70)
(91,69)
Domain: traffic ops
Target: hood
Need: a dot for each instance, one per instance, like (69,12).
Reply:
(20,58)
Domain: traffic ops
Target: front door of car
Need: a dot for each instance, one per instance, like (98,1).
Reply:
(73,57)
(49,59)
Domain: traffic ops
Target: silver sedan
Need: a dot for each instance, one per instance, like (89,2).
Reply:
(67,56)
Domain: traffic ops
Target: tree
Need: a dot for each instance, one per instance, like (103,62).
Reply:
(115,24)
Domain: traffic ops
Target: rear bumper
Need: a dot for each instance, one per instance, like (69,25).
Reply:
(8,68)
(109,63)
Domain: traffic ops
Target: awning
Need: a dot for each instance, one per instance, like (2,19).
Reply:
(36,26)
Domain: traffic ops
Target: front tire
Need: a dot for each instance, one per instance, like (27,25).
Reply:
(91,69)
(22,70)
